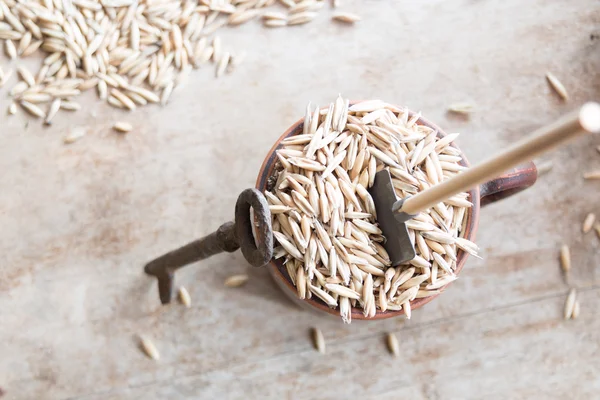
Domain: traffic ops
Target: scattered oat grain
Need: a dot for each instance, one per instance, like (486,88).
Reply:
(275,23)
(184,296)
(570,304)
(32,109)
(149,348)
(274,15)
(10,49)
(576,310)
(588,223)
(122,127)
(301,18)
(74,135)
(222,65)
(346,17)
(393,345)
(565,258)
(461,108)
(26,75)
(591,175)
(318,340)
(54,107)
(544,167)
(236,280)
(558,87)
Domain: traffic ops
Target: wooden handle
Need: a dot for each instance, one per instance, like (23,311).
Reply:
(585,119)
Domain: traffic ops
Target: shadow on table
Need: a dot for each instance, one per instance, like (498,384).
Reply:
(261,284)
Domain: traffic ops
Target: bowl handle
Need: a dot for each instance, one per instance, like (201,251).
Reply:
(514,181)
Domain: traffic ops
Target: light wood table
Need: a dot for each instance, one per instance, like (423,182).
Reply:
(79,221)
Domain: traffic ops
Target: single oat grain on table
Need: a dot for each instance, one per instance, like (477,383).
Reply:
(185,297)
(392,344)
(324,218)
(570,303)
(236,280)
(149,348)
(565,258)
(122,127)
(588,223)
(557,86)
(318,340)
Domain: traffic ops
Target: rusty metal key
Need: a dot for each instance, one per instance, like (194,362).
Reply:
(229,237)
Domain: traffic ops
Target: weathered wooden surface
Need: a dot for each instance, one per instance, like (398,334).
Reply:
(79,221)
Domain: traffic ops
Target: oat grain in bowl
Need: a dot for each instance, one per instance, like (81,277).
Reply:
(324,218)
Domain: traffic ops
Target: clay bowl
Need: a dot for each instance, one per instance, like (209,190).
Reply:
(516,180)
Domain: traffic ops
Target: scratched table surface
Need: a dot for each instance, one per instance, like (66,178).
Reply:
(79,221)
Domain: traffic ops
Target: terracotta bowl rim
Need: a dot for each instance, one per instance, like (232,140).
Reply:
(279,271)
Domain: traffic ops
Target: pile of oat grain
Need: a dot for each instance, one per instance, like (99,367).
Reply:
(324,218)
(132,52)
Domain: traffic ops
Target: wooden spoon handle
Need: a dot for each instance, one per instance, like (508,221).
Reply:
(584,120)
